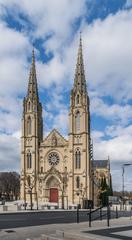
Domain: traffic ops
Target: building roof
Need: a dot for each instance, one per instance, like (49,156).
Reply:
(100,163)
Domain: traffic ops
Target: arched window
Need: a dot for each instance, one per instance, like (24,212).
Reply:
(29,125)
(29,160)
(77,121)
(77,99)
(77,159)
(77,182)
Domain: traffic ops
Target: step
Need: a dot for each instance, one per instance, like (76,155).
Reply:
(60,233)
(50,237)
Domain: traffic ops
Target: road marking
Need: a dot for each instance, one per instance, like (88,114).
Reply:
(51,218)
(25,219)
(12,219)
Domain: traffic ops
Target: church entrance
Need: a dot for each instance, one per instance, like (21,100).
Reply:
(54,195)
(52,186)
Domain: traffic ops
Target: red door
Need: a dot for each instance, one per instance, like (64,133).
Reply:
(53,195)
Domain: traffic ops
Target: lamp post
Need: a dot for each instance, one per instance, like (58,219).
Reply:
(92,166)
(123,172)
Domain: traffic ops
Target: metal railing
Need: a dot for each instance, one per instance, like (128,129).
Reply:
(101,213)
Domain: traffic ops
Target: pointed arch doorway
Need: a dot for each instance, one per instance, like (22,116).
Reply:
(52,185)
(53,195)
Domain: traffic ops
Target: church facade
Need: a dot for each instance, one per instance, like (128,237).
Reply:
(55,170)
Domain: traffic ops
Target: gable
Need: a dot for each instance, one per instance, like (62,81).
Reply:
(54,139)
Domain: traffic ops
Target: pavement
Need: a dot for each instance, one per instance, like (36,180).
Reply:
(119,229)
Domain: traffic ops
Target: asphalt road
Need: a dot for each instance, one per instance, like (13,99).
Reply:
(39,218)
(25,219)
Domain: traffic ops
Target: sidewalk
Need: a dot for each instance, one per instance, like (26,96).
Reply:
(119,229)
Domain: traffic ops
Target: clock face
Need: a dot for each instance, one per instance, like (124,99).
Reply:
(53,158)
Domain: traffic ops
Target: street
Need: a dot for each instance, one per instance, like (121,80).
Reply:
(25,219)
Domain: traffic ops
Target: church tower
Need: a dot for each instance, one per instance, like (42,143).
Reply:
(32,135)
(79,133)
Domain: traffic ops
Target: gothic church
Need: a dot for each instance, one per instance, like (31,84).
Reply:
(55,170)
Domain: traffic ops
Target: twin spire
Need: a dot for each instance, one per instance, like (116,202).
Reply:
(79,80)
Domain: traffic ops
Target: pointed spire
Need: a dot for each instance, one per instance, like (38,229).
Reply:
(32,84)
(79,81)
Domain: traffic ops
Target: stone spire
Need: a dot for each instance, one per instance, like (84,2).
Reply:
(32,84)
(79,80)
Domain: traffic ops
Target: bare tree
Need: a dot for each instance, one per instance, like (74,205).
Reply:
(9,185)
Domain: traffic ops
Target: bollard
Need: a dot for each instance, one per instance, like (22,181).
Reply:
(100,213)
(116,212)
(108,216)
(77,213)
(90,216)
(130,212)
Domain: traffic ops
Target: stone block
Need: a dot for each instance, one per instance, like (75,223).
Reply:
(5,208)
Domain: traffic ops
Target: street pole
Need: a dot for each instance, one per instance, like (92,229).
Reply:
(62,193)
(123,170)
(31,200)
(37,199)
(123,180)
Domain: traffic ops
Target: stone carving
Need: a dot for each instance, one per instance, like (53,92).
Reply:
(53,171)
(54,139)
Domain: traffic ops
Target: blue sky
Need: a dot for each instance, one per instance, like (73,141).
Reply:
(53,27)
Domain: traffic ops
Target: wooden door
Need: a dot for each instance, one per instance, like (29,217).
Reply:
(53,195)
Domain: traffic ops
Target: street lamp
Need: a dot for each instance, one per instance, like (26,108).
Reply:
(123,172)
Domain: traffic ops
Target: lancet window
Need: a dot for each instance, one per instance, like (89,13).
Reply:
(77,159)
(29,160)
(29,125)
(77,121)
(77,182)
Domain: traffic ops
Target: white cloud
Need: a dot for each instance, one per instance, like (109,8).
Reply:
(108,56)
(128,3)
(61,121)
(9,153)
(13,61)
(97,135)
(55,18)
(119,147)
(114,113)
